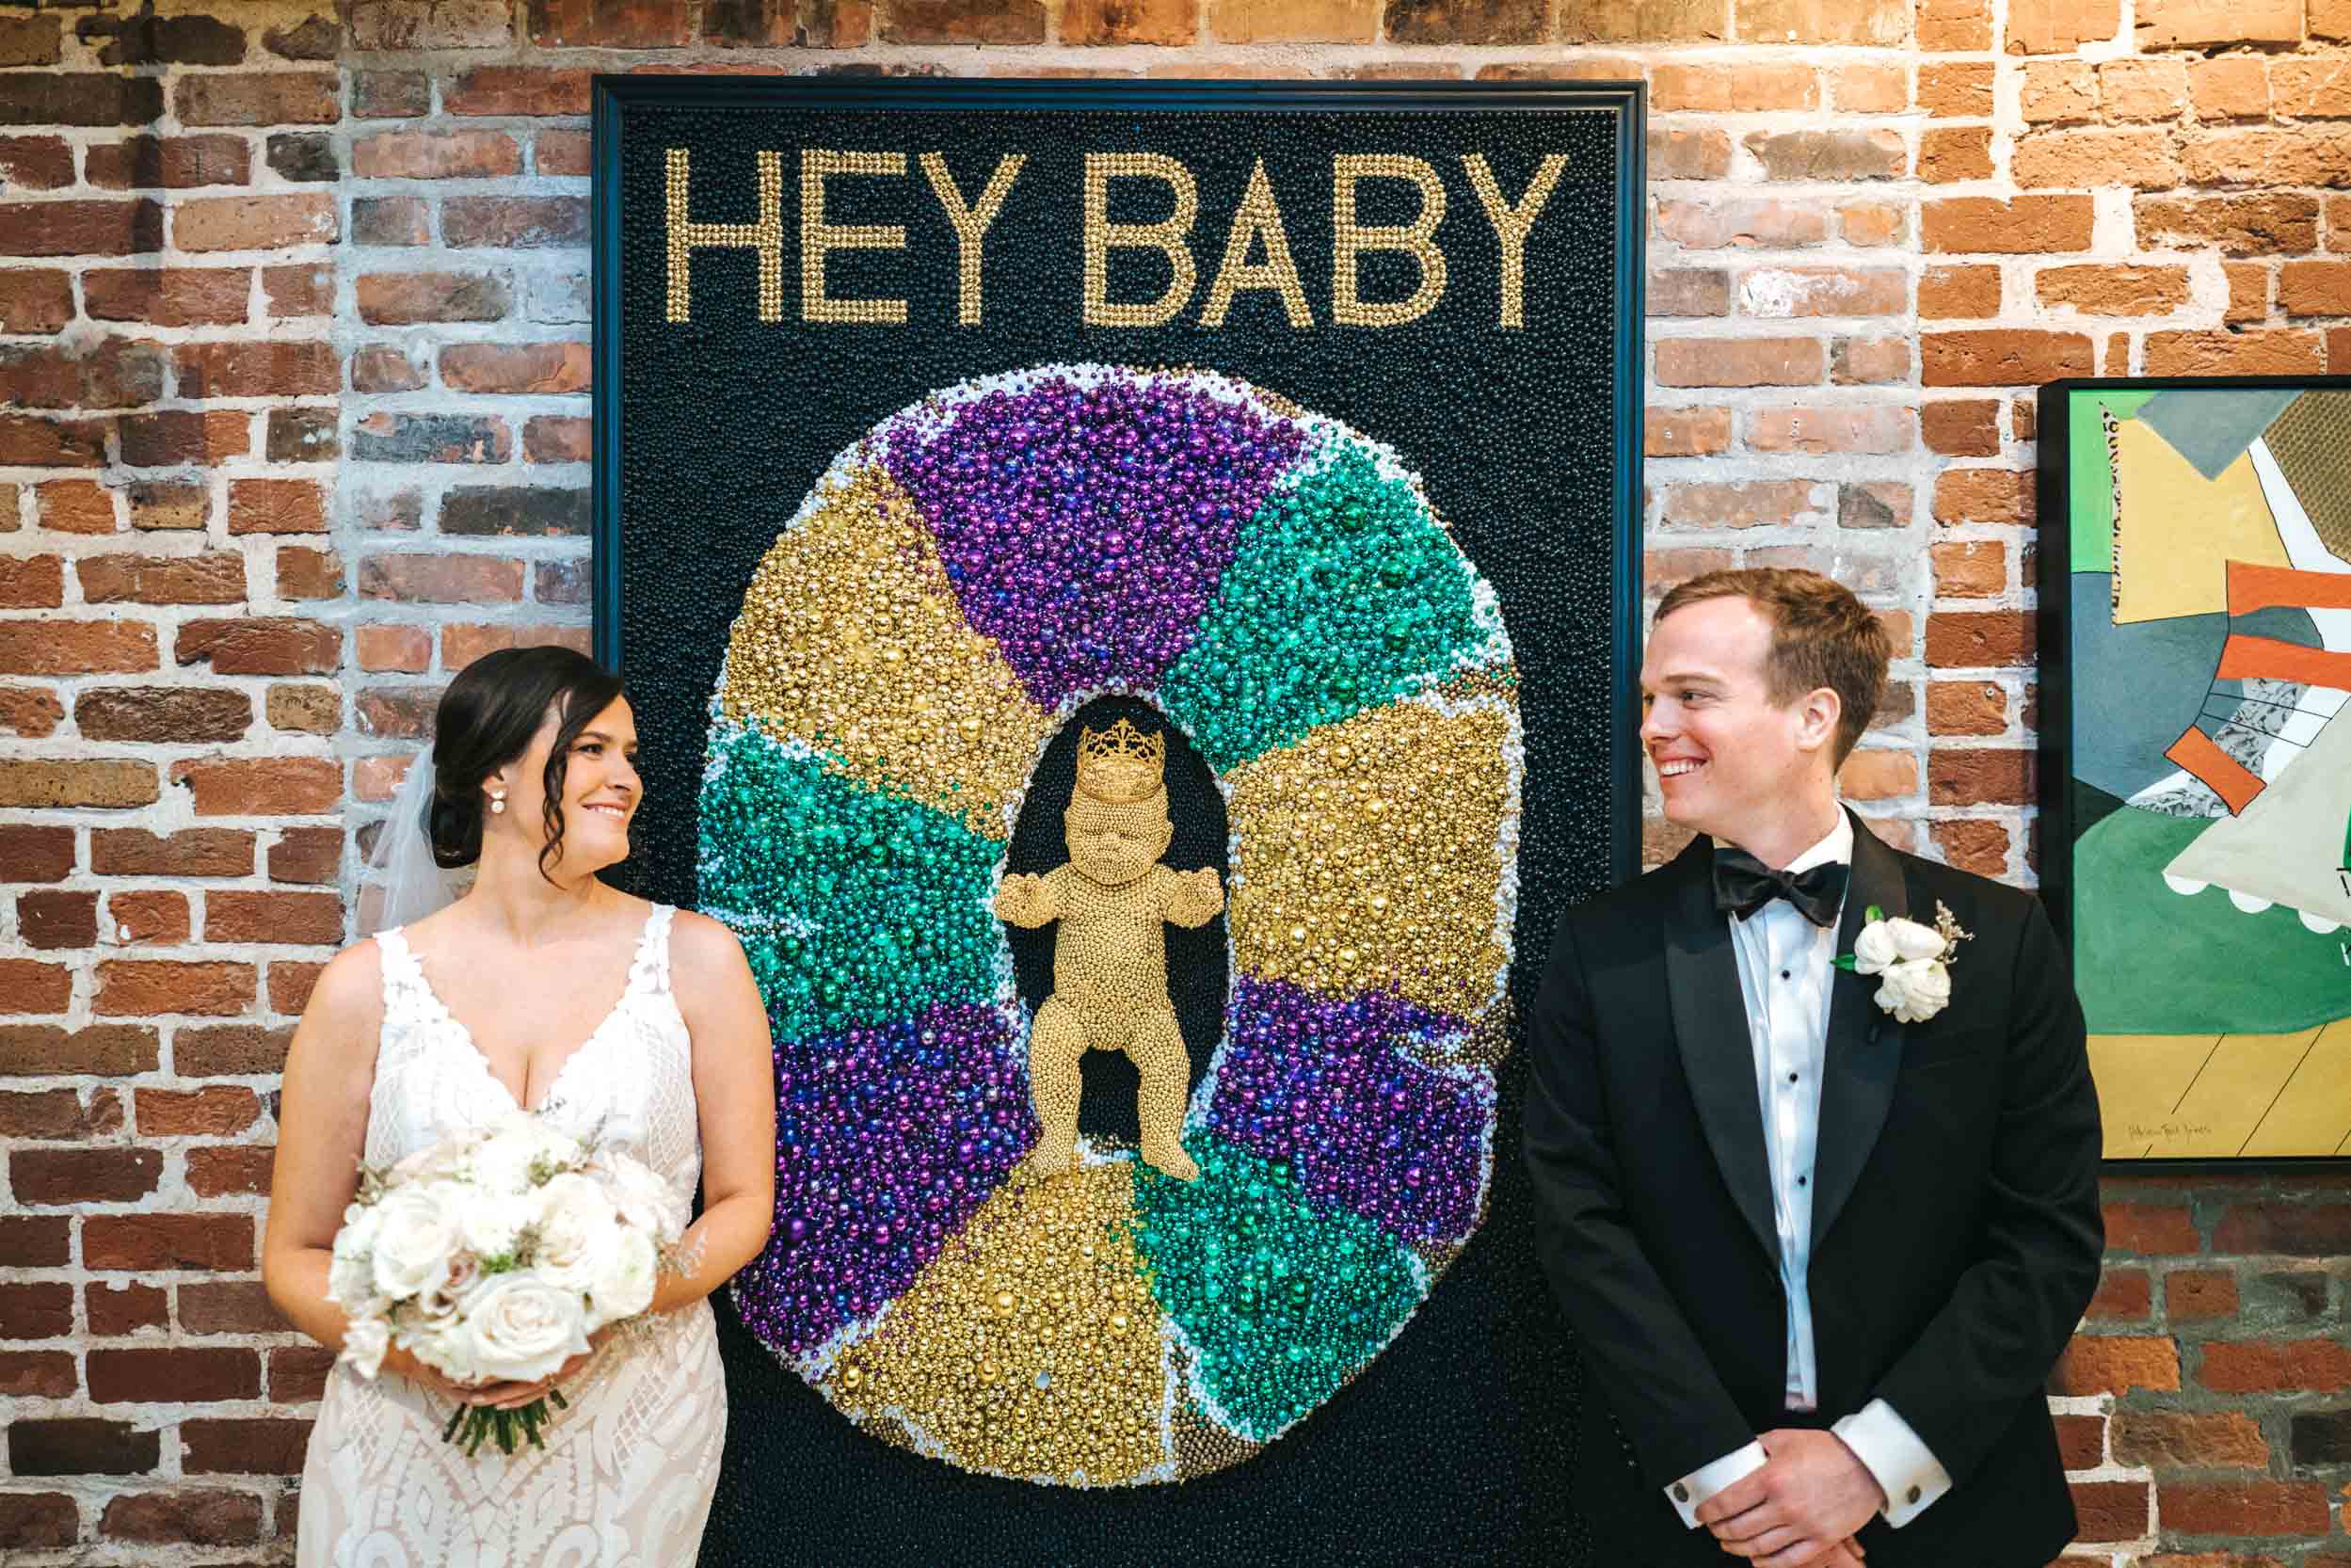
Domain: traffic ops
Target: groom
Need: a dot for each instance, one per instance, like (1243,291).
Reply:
(1819,1261)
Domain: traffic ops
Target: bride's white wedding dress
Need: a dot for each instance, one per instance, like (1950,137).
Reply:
(626,1478)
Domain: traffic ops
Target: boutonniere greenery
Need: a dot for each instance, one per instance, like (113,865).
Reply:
(1912,961)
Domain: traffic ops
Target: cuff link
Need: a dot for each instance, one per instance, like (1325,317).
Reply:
(1681,1494)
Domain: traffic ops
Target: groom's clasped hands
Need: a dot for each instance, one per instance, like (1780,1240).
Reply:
(1801,1510)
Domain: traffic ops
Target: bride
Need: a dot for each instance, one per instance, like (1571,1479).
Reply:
(544,988)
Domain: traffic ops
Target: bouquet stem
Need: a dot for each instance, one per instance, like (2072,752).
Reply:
(471,1425)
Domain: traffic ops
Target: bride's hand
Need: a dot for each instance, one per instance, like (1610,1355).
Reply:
(407,1364)
(514,1396)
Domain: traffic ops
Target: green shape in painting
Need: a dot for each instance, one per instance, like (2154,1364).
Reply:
(2150,961)
(1343,594)
(2090,468)
(853,905)
(1282,1301)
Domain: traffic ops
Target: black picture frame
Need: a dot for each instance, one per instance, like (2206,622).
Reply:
(2054,633)
(1522,1496)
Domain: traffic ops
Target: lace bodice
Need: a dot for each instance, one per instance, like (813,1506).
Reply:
(630,1083)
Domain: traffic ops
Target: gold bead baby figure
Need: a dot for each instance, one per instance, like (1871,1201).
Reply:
(1110,957)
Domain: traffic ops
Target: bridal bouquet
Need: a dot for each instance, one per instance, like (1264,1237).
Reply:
(492,1257)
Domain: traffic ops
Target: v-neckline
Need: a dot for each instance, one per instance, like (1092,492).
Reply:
(474,1046)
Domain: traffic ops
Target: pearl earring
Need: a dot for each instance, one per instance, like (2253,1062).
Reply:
(497,804)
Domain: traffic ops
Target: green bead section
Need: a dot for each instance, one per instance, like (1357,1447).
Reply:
(854,904)
(1282,1301)
(1343,593)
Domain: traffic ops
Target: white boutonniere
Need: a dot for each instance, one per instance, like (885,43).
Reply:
(1912,961)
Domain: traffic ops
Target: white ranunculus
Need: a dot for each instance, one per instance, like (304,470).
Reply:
(1914,990)
(1874,949)
(493,1220)
(416,1232)
(625,1288)
(364,1343)
(576,1232)
(1913,942)
(517,1326)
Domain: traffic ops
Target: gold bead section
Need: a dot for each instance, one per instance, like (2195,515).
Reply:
(1349,239)
(685,237)
(1031,1346)
(818,237)
(1101,236)
(1259,219)
(849,639)
(1512,222)
(1370,856)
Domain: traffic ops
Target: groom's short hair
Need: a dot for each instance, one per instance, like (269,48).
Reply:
(1821,635)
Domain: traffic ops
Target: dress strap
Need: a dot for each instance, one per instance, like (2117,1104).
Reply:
(651,965)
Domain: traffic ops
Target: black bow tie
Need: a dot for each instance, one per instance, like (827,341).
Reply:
(1743,884)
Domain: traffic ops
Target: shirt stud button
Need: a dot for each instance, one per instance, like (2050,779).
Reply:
(1914,1495)
(1681,1494)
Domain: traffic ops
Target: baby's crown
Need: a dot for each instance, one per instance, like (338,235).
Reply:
(1120,765)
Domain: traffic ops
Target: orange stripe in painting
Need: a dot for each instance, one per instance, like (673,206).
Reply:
(2227,777)
(2252,588)
(2268,659)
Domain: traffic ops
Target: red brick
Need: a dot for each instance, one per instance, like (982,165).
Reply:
(2312,1230)
(259,98)
(2315,288)
(32,582)
(1880,23)
(1712,225)
(562,152)
(260,646)
(173,437)
(35,442)
(2114,1364)
(1869,88)
(405,24)
(41,1311)
(1732,88)
(2255,225)
(2198,1295)
(228,1306)
(80,228)
(2115,290)
(215,578)
(187,1515)
(1966,707)
(1738,361)
(1675,153)
(176,297)
(2243,1507)
(537,367)
(191,852)
(1842,155)
(1769,503)
(2111,1509)
(305,918)
(2182,1439)
(298,1375)
(1869,361)
(1952,292)
(2021,226)
(405,299)
(290,987)
(384,368)
(137,1244)
(2223,353)
(112,1051)
(59,1115)
(255,222)
(171,163)
(228,1170)
(262,787)
(2233,86)
(102,782)
(2300,155)
(514,222)
(30,41)
(34,300)
(76,647)
(556,439)
(227,1050)
(1984,495)
(1116,22)
(1986,775)
(2091,158)
(110,372)
(38,1374)
(442,578)
(150,917)
(119,1309)
(1967,428)
(435,155)
(29,712)
(54,919)
(276,506)
(2002,357)
(1872,224)
(1956,89)
(2248,292)
(309,574)
(1669,433)
(2082,1441)
(36,1521)
(1949,154)
(219,1112)
(1845,428)
(36,1242)
(56,1177)
(260,1445)
(504,90)
(278,367)
(2058,27)
(142,988)
(2059,92)
(302,289)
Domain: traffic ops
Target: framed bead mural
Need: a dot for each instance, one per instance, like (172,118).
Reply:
(1131,597)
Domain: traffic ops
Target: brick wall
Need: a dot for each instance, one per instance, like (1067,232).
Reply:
(293,323)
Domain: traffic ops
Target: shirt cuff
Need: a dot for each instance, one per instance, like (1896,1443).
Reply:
(1695,1488)
(1908,1470)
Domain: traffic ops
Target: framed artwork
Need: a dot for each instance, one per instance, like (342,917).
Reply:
(2195,587)
(1131,595)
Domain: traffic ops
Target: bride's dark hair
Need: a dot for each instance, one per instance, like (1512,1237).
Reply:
(486,720)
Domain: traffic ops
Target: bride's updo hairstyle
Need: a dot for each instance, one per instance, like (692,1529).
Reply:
(487,719)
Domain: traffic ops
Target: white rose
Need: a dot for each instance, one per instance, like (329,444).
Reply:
(639,1198)
(415,1233)
(625,1288)
(1913,942)
(494,1220)
(445,1345)
(576,1232)
(519,1327)
(365,1342)
(1915,989)
(1874,949)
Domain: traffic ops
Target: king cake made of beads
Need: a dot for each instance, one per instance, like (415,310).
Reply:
(953,589)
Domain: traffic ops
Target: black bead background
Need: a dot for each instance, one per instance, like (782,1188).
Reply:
(1455,1446)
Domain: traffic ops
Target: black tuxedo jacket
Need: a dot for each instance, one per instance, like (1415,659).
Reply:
(1955,1227)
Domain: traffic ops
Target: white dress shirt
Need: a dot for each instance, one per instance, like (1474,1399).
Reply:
(1785,969)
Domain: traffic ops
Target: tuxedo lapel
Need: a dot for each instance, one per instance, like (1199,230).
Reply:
(1718,1051)
(1864,1041)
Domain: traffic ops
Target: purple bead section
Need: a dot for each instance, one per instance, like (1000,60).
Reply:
(1085,528)
(887,1137)
(1321,1083)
